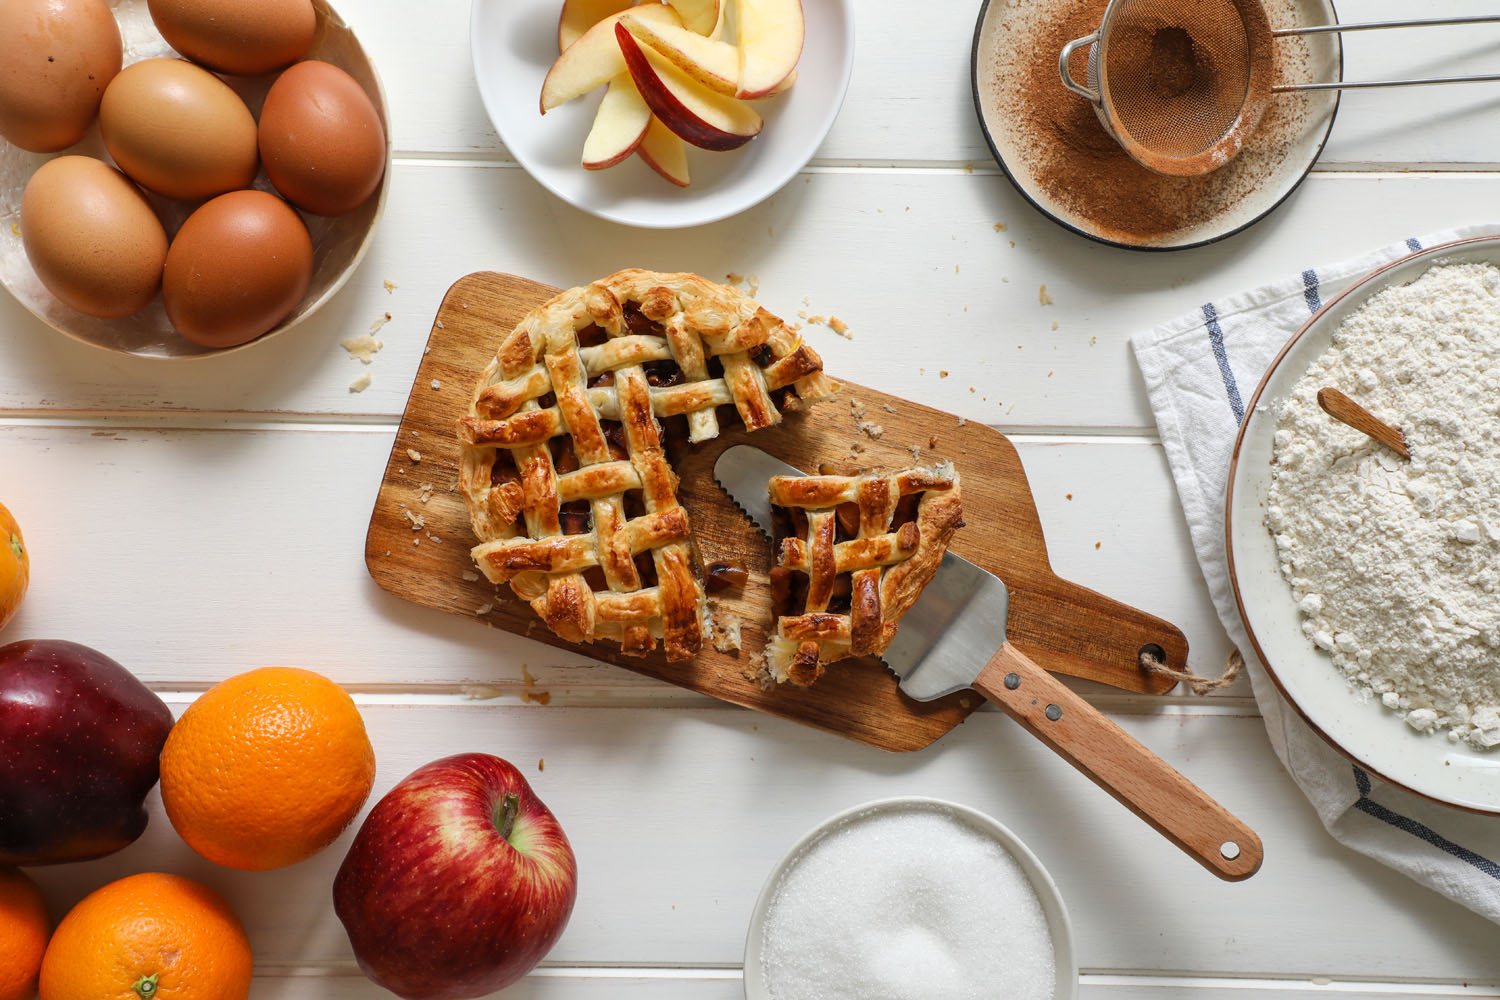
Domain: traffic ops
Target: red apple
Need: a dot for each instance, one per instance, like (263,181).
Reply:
(705,118)
(80,740)
(458,882)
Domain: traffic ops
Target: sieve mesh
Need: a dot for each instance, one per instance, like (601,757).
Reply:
(1175,77)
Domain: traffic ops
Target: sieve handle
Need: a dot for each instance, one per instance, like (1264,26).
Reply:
(1289,88)
(1062,67)
(1323,29)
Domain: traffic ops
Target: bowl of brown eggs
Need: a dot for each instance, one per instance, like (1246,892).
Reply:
(180,178)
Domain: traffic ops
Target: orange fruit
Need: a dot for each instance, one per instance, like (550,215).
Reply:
(146,937)
(23,932)
(15,567)
(267,768)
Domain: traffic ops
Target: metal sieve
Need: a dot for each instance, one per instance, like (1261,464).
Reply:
(1180,84)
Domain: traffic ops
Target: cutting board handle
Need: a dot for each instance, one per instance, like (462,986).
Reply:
(1113,760)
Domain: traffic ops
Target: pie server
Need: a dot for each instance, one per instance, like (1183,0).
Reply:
(953,639)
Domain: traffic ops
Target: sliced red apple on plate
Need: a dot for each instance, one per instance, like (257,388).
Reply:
(712,63)
(619,125)
(595,58)
(698,115)
(705,17)
(702,17)
(579,16)
(664,152)
(771,35)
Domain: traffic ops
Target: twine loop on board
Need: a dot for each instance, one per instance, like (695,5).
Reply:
(1152,663)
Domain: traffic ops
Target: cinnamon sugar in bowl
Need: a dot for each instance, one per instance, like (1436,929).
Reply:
(1051,144)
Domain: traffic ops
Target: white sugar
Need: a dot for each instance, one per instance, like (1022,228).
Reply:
(911,905)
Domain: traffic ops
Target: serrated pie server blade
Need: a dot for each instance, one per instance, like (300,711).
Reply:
(945,638)
(953,638)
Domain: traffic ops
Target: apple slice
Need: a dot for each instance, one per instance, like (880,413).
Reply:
(712,63)
(595,58)
(706,17)
(619,125)
(579,16)
(784,85)
(771,34)
(664,152)
(697,114)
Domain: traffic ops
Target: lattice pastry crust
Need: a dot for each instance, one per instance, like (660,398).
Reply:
(852,555)
(565,464)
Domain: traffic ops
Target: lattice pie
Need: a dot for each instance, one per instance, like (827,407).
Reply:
(852,555)
(566,466)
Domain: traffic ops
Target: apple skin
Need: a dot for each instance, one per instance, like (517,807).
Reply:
(82,738)
(438,905)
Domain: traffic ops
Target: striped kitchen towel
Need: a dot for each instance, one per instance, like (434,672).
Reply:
(1199,371)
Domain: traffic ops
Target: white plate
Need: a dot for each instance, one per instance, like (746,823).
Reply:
(514,43)
(996,61)
(1061,928)
(1362,730)
(339,244)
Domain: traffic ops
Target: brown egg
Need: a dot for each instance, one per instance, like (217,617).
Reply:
(178,129)
(321,139)
(92,237)
(56,58)
(238,266)
(242,37)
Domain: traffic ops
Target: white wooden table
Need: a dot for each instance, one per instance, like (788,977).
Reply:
(199,520)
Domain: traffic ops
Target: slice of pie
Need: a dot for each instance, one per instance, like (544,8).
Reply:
(852,555)
(566,463)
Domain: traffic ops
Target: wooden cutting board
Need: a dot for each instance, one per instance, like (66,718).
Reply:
(1064,627)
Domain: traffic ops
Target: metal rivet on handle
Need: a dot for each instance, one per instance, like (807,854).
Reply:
(1012,681)
(1230,850)
(1054,713)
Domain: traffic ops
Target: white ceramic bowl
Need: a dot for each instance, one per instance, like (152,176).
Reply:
(514,43)
(1061,928)
(338,243)
(1365,732)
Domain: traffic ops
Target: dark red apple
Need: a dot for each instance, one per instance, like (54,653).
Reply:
(458,882)
(80,741)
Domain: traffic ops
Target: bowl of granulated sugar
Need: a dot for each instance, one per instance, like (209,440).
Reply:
(910,899)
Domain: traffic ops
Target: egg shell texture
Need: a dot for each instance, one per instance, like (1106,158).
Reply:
(92,237)
(178,130)
(240,37)
(238,266)
(321,139)
(56,58)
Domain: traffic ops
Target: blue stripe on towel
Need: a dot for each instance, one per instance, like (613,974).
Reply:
(1216,340)
(1310,290)
(1413,244)
(1419,830)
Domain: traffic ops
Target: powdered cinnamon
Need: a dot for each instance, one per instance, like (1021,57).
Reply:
(1072,162)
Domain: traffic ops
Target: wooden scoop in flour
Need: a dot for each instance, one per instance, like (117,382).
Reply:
(1346,411)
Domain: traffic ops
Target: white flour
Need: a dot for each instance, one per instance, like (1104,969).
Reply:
(1396,565)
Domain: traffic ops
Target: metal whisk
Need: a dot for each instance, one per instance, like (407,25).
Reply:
(1180,84)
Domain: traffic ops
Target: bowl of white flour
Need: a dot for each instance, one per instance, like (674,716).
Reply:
(1370,584)
(910,899)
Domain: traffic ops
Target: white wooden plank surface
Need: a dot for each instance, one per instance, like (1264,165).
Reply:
(240,526)
(677,815)
(227,534)
(953,295)
(592,984)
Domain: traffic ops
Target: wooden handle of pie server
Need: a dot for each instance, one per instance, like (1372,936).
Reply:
(1113,760)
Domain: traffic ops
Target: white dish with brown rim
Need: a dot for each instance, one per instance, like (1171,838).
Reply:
(1249,188)
(1427,764)
(338,243)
